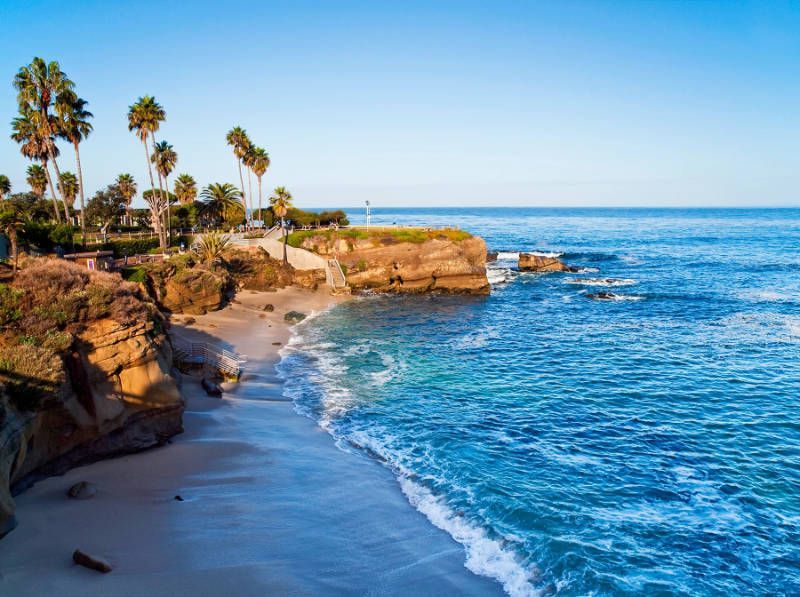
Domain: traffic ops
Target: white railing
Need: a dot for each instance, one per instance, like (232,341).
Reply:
(201,353)
(335,275)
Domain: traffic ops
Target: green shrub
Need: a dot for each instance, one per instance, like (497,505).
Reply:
(9,304)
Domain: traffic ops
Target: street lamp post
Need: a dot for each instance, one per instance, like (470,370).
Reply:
(369,215)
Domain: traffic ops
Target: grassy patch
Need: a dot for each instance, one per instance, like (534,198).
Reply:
(381,235)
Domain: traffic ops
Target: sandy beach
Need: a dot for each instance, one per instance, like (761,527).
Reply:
(269,504)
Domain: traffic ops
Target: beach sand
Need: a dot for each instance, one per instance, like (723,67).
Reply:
(270,504)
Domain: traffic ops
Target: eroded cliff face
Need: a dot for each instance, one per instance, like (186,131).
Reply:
(97,382)
(385,265)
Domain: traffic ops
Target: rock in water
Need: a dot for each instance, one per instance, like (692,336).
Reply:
(602,296)
(82,491)
(294,317)
(538,263)
(211,388)
(91,562)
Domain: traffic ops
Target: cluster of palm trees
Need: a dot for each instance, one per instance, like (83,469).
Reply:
(49,109)
(252,157)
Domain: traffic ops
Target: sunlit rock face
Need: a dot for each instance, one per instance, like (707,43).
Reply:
(95,381)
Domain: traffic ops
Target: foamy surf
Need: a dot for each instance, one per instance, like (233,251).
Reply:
(485,556)
(600,281)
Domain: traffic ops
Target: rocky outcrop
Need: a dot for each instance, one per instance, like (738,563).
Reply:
(435,265)
(384,264)
(105,388)
(181,286)
(537,263)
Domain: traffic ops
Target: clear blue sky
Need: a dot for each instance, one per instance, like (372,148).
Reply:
(438,103)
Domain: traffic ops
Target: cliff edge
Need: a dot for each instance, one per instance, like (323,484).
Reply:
(85,373)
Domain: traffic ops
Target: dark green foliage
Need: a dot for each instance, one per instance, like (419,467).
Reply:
(301,217)
(106,206)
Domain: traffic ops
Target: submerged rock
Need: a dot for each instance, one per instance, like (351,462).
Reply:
(294,317)
(82,491)
(529,262)
(91,562)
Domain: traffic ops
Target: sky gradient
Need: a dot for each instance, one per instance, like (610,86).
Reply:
(437,103)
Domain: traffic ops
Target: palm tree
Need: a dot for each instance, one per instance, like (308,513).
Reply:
(127,188)
(185,189)
(69,186)
(260,165)
(75,127)
(11,223)
(212,246)
(220,199)
(34,145)
(144,117)
(238,139)
(248,160)
(280,202)
(164,158)
(5,186)
(38,86)
(37,179)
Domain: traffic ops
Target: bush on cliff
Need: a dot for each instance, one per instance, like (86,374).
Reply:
(48,303)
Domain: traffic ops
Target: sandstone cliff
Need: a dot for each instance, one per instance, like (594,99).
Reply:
(440,261)
(85,373)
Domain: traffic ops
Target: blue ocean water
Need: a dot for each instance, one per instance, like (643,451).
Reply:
(644,445)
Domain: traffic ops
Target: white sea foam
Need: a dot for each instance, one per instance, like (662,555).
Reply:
(392,368)
(600,281)
(485,556)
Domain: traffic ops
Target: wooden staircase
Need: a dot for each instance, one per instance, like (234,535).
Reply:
(336,278)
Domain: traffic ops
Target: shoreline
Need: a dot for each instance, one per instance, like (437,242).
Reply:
(270,503)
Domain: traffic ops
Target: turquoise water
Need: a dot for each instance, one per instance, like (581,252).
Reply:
(644,445)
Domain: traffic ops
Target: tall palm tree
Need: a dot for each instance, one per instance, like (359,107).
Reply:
(249,160)
(260,165)
(144,118)
(75,127)
(164,159)
(185,189)
(280,202)
(219,199)
(69,186)
(38,86)
(237,138)
(11,223)
(34,145)
(127,188)
(5,186)
(37,179)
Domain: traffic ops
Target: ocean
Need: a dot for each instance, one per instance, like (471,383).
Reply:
(648,444)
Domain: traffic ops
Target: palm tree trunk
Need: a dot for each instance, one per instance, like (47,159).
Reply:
(250,194)
(12,234)
(241,180)
(260,215)
(156,216)
(52,192)
(285,240)
(80,188)
(60,190)
(166,213)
